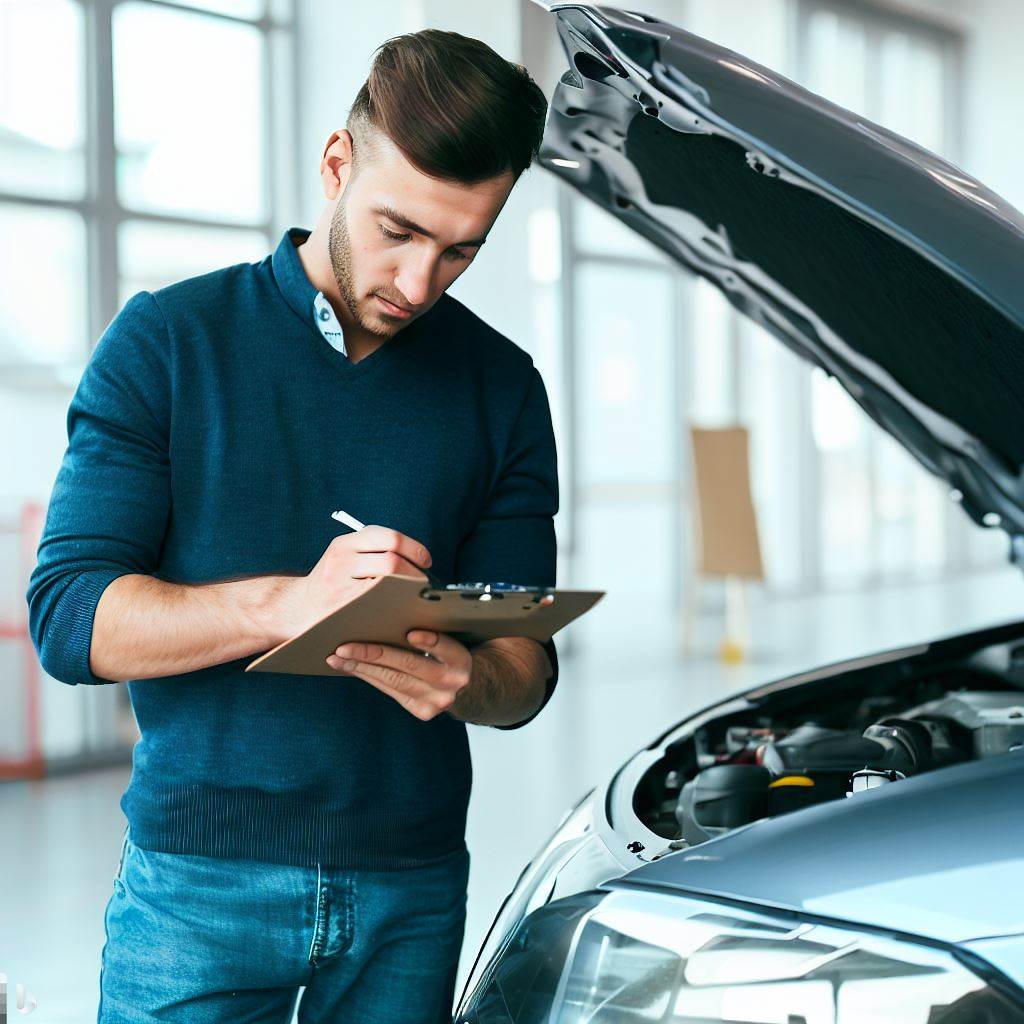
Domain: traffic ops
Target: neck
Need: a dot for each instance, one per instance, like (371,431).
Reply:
(316,262)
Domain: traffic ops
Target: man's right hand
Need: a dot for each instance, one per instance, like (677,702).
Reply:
(145,627)
(347,567)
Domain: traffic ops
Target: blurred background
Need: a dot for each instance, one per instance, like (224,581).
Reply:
(144,141)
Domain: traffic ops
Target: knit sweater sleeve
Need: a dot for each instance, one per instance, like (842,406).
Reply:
(110,503)
(514,539)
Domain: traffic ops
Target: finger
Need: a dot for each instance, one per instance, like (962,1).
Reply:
(438,690)
(389,656)
(419,699)
(441,646)
(382,538)
(382,564)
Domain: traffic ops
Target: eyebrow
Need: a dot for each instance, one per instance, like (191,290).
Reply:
(397,218)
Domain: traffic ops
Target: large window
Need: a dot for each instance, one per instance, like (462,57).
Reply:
(881,516)
(623,502)
(140,143)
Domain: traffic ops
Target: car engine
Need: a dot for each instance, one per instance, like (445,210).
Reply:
(730,773)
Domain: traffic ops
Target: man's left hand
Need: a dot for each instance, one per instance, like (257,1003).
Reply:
(424,686)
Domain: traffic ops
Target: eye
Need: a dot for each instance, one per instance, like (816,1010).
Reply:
(392,235)
(455,254)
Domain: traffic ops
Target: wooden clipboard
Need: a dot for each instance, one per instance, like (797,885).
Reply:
(393,604)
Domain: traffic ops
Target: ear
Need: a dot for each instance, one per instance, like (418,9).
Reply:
(336,163)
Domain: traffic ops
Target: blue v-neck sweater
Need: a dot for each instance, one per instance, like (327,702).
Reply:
(213,432)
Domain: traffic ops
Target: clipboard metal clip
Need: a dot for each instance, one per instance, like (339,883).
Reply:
(492,592)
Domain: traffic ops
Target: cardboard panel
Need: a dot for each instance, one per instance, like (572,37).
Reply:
(727,523)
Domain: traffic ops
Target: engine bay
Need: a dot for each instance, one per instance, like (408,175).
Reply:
(832,742)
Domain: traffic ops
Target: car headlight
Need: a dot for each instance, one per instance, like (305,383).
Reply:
(573,859)
(630,957)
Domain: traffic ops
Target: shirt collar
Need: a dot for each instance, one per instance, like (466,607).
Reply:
(290,275)
(299,291)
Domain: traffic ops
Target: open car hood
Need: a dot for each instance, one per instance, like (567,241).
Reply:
(890,268)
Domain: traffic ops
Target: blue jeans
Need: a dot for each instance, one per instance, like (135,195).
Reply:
(204,940)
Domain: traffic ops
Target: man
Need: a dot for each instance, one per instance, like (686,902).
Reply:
(289,831)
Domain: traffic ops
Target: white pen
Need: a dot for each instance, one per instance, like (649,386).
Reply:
(344,517)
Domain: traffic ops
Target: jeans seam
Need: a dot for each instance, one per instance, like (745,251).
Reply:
(314,943)
(106,925)
(349,889)
(103,960)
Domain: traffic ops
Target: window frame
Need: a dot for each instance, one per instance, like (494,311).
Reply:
(100,209)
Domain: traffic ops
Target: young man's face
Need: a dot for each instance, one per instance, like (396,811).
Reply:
(399,238)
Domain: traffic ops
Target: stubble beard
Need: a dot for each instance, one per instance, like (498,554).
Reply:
(339,249)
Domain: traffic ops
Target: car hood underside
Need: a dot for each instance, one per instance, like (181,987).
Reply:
(867,255)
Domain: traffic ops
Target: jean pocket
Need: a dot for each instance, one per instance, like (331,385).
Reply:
(120,862)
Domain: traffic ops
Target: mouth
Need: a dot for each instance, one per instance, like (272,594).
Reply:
(392,310)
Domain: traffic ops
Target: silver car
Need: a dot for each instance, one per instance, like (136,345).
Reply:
(846,845)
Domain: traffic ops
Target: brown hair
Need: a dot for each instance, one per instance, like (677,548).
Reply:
(456,109)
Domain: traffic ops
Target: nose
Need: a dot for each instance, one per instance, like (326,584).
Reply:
(415,277)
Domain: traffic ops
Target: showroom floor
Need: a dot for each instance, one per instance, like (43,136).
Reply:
(62,836)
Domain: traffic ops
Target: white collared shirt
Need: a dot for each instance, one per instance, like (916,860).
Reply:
(323,313)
